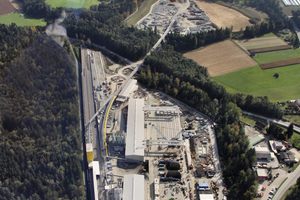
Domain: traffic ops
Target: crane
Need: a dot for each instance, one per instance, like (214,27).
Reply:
(159,132)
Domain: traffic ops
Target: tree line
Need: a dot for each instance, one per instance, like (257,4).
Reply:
(39,125)
(193,41)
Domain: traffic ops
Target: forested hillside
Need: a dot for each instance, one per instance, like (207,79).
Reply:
(40,138)
(13,40)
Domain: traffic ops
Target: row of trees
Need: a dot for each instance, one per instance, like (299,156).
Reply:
(39,125)
(182,78)
(193,41)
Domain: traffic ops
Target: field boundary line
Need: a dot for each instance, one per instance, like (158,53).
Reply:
(240,46)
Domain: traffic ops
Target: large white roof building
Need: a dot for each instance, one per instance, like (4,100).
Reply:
(133,188)
(94,166)
(128,89)
(135,130)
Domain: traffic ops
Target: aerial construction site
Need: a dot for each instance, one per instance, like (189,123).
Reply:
(144,144)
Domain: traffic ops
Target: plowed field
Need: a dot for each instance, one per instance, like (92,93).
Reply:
(223,16)
(280,63)
(221,58)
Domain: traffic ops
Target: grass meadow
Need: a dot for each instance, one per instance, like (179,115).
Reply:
(276,55)
(258,82)
(73,3)
(20,21)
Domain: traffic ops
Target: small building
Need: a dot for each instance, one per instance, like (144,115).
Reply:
(278,145)
(206,196)
(262,153)
(203,185)
(133,188)
(287,157)
(297,102)
(89,152)
(262,174)
(256,140)
(286,31)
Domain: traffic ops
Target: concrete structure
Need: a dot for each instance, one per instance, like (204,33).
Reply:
(133,188)
(135,130)
(206,196)
(128,89)
(262,174)
(94,172)
(262,153)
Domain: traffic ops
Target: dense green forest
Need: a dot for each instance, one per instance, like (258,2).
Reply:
(39,126)
(13,40)
(184,79)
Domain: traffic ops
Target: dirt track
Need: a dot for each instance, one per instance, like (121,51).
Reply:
(221,58)
(6,7)
(223,16)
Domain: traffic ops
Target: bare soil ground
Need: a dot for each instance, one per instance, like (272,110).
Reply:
(267,49)
(221,58)
(223,16)
(280,63)
(16,3)
(261,42)
(6,7)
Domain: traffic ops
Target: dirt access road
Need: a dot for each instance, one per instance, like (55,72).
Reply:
(223,16)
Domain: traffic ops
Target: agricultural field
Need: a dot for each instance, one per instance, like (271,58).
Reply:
(273,56)
(258,82)
(20,21)
(142,12)
(280,63)
(261,42)
(6,7)
(73,3)
(223,16)
(268,49)
(221,58)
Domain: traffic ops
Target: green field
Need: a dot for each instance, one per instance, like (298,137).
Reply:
(276,55)
(258,82)
(143,10)
(15,18)
(73,3)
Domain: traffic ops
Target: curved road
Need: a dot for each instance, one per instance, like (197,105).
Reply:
(291,180)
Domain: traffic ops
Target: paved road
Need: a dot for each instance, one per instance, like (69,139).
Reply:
(276,121)
(292,178)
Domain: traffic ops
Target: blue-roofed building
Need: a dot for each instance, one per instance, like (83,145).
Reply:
(203,185)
